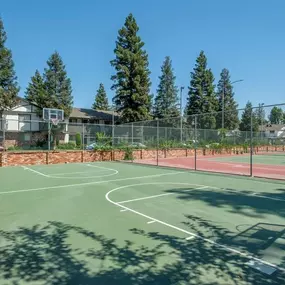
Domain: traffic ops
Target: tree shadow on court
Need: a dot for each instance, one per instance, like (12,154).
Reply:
(236,201)
(45,254)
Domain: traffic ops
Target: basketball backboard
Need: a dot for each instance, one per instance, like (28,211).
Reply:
(50,114)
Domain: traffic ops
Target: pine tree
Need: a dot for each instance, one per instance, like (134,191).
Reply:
(58,85)
(276,115)
(166,100)
(260,115)
(101,99)
(245,123)
(8,80)
(201,96)
(36,91)
(131,81)
(225,90)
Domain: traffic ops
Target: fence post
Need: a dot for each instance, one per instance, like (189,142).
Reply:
(4,126)
(83,136)
(181,123)
(195,143)
(132,133)
(251,143)
(157,141)
(113,128)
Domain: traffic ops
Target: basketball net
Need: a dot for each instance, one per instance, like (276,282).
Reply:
(54,122)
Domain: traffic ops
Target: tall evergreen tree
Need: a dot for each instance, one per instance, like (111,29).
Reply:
(260,115)
(58,85)
(36,91)
(225,96)
(101,99)
(131,81)
(201,96)
(8,80)
(166,100)
(276,115)
(245,123)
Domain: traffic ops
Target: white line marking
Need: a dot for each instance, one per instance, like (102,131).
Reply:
(90,183)
(37,172)
(189,238)
(160,195)
(248,256)
(151,222)
(66,173)
(144,198)
(124,210)
(93,176)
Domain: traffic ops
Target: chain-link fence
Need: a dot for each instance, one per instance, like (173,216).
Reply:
(248,141)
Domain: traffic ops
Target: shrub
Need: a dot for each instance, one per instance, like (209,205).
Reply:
(128,154)
(70,145)
(78,140)
(11,148)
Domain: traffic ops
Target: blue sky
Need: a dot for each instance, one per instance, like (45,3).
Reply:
(245,36)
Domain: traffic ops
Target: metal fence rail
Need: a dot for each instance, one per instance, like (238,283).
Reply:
(195,142)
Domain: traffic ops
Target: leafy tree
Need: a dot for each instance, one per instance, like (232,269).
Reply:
(58,85)
(260,115)
(201,96)
(101,100)
(36,91)
(166,100)
(131,81)
(8,80)
(245,124)
(276,115)
(225,90)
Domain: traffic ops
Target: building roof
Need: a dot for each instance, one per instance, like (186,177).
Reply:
(83,113)
(272,127)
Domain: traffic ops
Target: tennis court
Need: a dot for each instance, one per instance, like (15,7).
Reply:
(264,164)
(124,223)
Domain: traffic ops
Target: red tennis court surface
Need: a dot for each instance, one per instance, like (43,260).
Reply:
(207,163)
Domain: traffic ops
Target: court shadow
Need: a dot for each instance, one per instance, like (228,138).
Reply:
(44,254)
(259,238)
(199,257)
(262,239)
(236,201)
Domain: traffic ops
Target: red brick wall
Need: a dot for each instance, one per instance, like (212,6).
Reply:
(24,158)
(54,157)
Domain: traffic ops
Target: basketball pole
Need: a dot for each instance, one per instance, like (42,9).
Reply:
(49,135)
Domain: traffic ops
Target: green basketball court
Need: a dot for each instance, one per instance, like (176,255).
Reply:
(123,224)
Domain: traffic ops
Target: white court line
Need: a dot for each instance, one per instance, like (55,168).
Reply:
(124,210)
(248,256)
(151,222)
(144,198)
(160,195)
(37,172)
(65,173)
(189,238)
(89,183)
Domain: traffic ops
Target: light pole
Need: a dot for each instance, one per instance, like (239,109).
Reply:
(181,118)
(223,101)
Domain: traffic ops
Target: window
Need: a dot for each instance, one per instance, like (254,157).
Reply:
(272,132)
(72,120)
(24,122)
(85,121)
